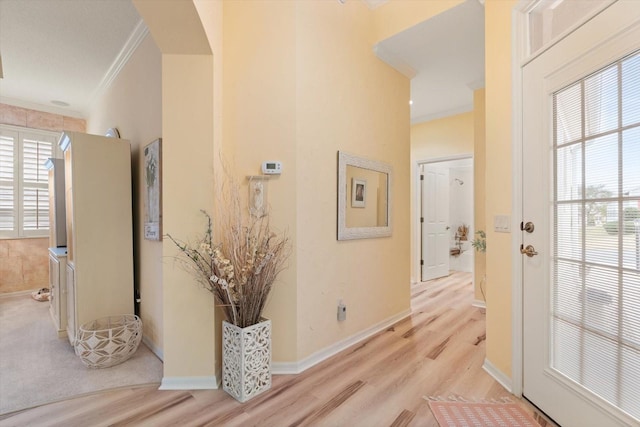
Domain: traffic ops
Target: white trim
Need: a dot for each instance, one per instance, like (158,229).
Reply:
(135,39)
(476,84)
(373,4)
(479,303)
(319,356)
(21,293)
(498,375)
(442,114)
(190,383)
(527,6)
(395,62)
(154,349)
(519,50)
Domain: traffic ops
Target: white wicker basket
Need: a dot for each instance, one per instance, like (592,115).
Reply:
(109,340)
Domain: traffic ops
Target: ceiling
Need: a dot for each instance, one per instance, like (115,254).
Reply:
(68,51)
(444,56)
(65,51)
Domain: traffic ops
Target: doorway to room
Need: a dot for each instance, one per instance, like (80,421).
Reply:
(445,216)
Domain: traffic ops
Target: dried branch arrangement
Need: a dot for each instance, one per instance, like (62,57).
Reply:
(241,268)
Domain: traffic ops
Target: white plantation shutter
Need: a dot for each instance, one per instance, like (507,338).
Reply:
(24,190)
(35,191)
(8,183)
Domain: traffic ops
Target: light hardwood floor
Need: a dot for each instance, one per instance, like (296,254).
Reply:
(383,381)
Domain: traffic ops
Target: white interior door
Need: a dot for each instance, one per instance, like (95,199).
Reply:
(581,175)
(435,222)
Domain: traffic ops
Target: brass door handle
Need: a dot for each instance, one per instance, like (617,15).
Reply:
(529,251)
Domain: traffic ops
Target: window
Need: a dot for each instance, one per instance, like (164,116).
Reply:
(596,294)
(24,192)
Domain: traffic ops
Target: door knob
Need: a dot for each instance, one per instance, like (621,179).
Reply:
(529,251)
(528,227)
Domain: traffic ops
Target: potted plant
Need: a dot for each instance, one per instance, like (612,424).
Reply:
(239,269)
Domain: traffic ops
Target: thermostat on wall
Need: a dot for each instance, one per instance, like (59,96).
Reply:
(272,168)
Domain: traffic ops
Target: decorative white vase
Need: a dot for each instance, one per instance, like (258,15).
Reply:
(246,359)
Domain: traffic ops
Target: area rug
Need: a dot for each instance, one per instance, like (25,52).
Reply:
(480,414)
(37,367)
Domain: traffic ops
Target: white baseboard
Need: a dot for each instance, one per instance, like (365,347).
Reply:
(498,375)
(327,352)
(20,293)
(155,349)
(189,383)
(479,303)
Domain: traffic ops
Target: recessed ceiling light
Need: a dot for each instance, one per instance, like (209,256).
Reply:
(411,102)
(60,103)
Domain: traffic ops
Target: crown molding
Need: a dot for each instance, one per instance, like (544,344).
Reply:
(139,33)
(391,59)
(373,4)
(442,114)
(477,84)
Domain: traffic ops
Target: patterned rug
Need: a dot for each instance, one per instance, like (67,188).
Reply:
(480,414)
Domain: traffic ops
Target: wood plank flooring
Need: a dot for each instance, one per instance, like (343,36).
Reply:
(383,381)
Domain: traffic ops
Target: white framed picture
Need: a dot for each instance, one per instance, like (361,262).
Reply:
(358,193)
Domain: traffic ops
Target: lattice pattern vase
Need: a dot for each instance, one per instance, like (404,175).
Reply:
(246,359)
(109,340)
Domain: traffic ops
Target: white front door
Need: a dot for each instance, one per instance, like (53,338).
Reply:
(435,222)
(581,182)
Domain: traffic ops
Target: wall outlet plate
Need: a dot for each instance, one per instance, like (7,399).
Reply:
(502,223)
(342,312)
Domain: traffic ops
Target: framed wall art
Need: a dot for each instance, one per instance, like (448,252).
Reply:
(153,190)
(358,193)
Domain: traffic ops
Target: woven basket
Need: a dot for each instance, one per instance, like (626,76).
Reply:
(108,341)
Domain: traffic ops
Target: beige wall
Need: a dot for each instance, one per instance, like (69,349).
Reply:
(310,109)
(498,179)
(24,263)
(189,316)
(445,137)
(259,122)
(326,92)
(133,104)
(347,100)
(479,185)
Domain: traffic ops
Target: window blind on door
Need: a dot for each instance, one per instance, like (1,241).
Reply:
(595,318)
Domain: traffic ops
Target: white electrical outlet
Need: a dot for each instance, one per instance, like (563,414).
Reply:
(342,311)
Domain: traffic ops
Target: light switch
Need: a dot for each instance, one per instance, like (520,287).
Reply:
(502,223)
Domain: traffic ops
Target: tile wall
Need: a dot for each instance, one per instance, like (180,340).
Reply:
(24,263)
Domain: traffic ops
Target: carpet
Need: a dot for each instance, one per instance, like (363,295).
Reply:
(37,367)
(481,414)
